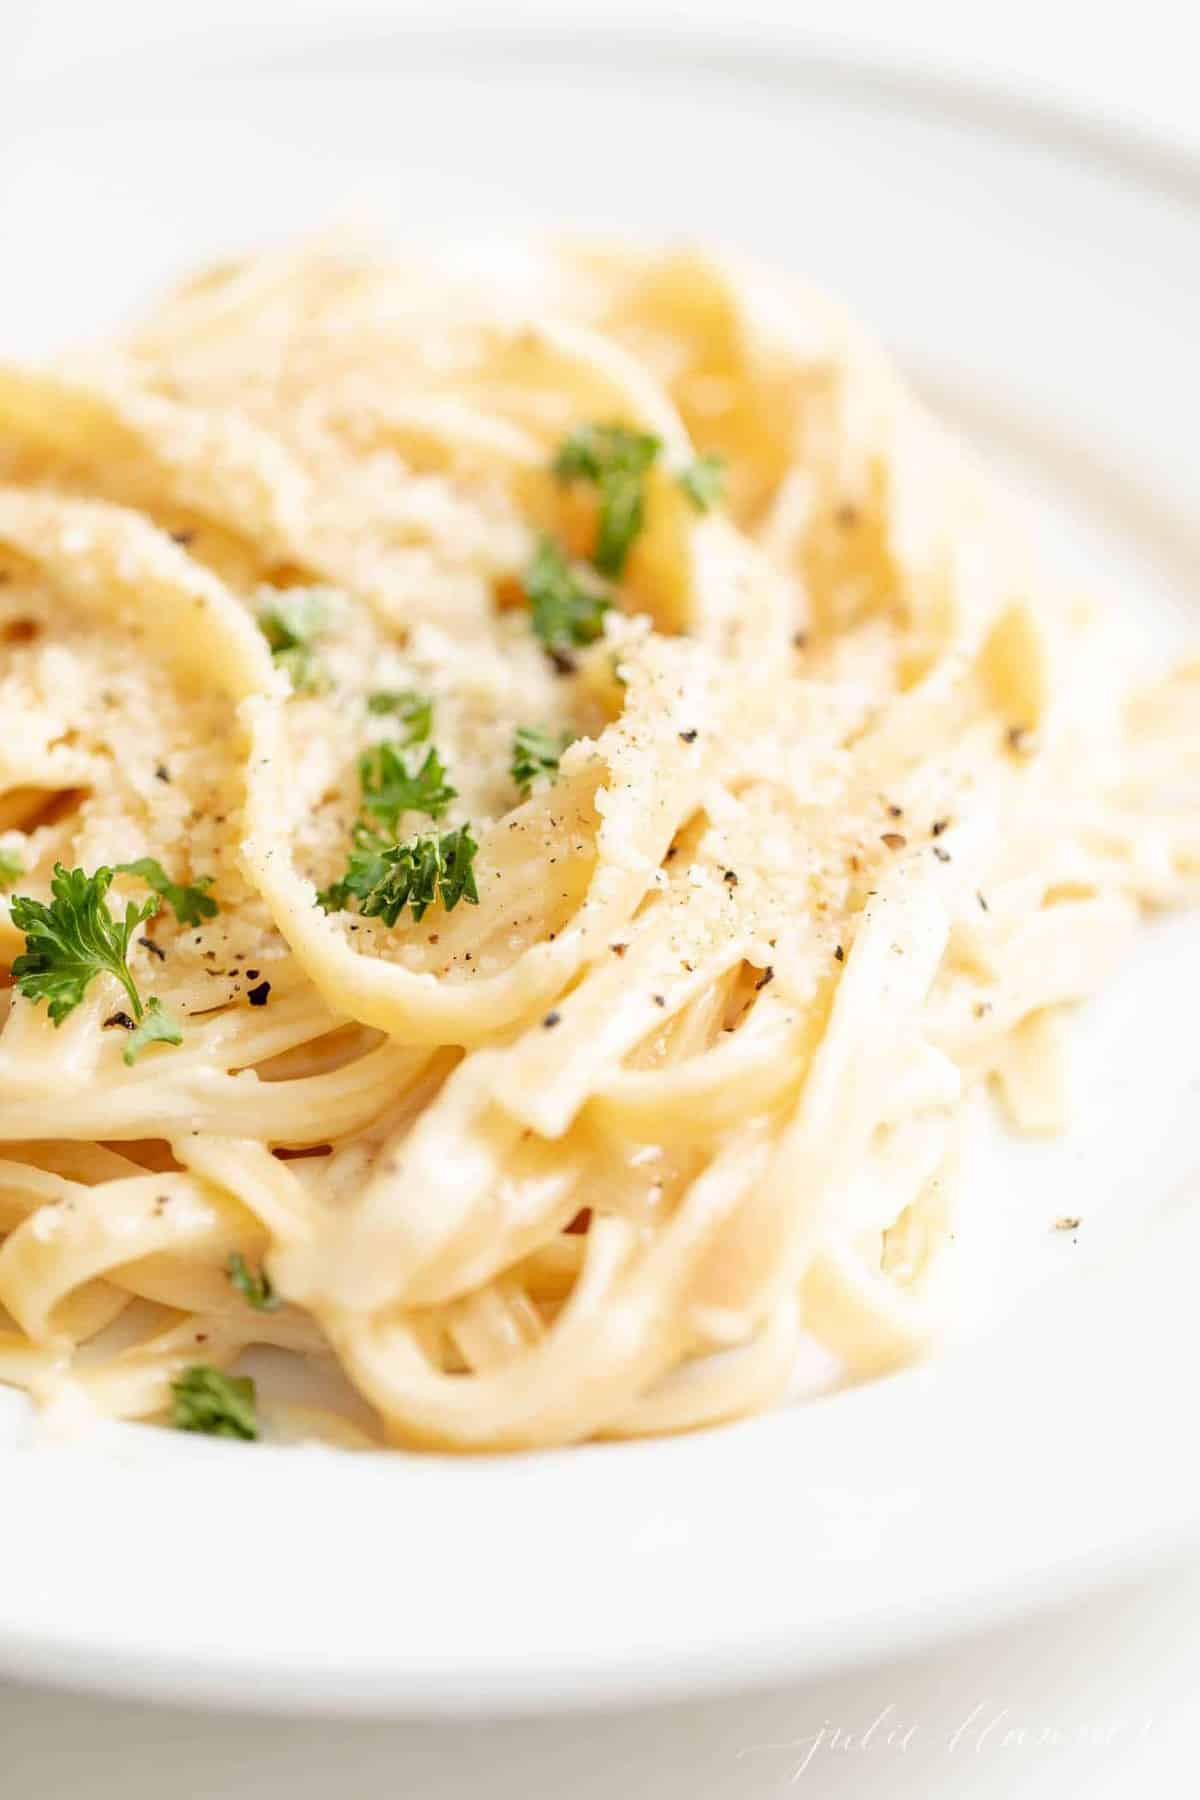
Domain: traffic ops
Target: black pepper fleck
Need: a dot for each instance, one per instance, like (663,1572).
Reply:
(551,1019)
(689,737)
(768,975)
(257,996)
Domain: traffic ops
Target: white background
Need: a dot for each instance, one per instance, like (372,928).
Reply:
(1098,1700)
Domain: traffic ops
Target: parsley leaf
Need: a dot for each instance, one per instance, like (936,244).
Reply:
(291,624)
(365,869)
(73,939)
(190,904)
(536,753)
(565,610)
(11,869)
(622,510)
(457,849)
(411,875)
(203,1399)
(389,790)
(703,481)
(385,878)
(256,1290)
(593,451)
(158,1026)
(414,710)
(616,461)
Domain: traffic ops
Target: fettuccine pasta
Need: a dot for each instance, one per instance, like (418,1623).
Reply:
(525,808)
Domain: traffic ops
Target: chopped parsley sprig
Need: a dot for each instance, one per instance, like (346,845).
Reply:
(567,610)
(385,877)
(73,938)
(413,709)
(703,481)
(389,789)
(188,901)
(203,1399)
(256,1290)
(536,753)
(292,623)
(158,1025)
(616,461)
(365,869)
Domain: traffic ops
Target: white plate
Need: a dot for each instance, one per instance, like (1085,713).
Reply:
(1039,279)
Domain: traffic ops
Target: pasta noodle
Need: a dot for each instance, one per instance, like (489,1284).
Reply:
(552,1098)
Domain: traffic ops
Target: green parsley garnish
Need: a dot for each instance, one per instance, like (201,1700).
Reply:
(365,869)
(385,878)
(703,481)
(189,902)
(158,1026)
(536,753)
(73,939)
(256,1290)
(292,624)
(388,789)
(616,460)
(203,1399)
(11,869)
(414,710)
(565,609)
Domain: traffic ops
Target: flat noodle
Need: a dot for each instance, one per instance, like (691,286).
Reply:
(854,807)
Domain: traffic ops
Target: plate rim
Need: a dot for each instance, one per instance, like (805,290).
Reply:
(782,54)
